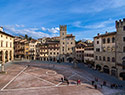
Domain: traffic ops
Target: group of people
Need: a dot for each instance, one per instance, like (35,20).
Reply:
(67,81)
(94,83)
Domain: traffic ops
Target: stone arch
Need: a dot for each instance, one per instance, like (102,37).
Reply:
(106,69)
(6,56)
(98,67)
(122,75)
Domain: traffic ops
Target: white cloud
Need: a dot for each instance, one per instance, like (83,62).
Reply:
(96,6)
(54,30)
(29,31)
(100,24)
(77,24)
(17,25)
(43,28)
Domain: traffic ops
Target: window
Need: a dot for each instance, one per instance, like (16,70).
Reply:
(113,39)
(100,58)
(96,57)
(1,35)
(6,44)
(113,59)
(98,49)
(108,40)
(124,49)
(63,42)
(103,58)
(1,43)
(103,41)
(63,49)
(108,58)
(62,33)
(97,42)
(123,28)
(71,42)
(10,44)
(124,39)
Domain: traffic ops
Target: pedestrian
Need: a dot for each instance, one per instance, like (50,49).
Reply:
(95,86)
(65,79)
(96,79)
(67,82)
(101,85)
(93,82)
(62,79)
(104,83)
(78,81)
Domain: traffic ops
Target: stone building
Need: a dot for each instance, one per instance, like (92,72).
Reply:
(53,51)
(109,51)
(67,45)
(89,55)
(44,52)
(6,47)
(32,49)
(120,48)
(21,48)
(79,51)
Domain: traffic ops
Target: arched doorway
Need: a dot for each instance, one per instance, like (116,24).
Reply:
(6,56)
(98,67)
(10,55)
(63,59)
(1,58)
(106,69)
(122,74)
(69,59)
(113,71)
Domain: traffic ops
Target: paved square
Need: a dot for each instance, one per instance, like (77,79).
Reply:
(45,79)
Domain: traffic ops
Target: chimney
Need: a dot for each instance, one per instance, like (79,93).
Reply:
(1,28)
(98,34)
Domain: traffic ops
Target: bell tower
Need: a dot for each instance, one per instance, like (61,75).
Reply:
(120,45)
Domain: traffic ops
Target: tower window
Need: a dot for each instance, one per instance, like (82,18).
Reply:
(97,42)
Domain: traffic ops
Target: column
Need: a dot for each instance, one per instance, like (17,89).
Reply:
(8,56)
(12,55)
(3,62)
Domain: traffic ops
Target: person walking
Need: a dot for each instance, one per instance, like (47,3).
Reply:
(78,82)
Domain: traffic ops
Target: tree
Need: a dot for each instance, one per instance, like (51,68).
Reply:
(30,38)
(26,36)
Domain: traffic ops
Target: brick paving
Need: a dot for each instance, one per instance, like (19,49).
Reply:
(44,79)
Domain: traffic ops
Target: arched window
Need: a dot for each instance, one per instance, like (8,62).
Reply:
(108,40)
(108,58)
(113,59)
(103,58)
(124,49)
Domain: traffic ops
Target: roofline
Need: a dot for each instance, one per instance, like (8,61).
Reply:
(7,34)
(106,34)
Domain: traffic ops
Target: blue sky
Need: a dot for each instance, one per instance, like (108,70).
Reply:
(41,18)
